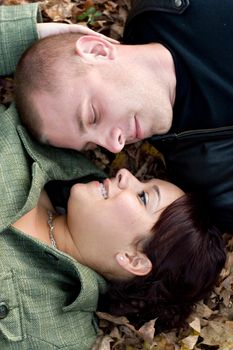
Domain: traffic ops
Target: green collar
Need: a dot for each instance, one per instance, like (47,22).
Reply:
(26,165)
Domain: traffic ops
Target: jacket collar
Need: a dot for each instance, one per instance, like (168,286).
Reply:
(26,165)
(169,6)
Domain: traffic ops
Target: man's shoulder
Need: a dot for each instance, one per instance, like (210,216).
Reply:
(140,6)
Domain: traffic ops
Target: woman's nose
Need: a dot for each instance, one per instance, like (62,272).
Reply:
(125,179)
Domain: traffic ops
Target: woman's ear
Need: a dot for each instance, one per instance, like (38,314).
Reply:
(91,47)
(138,264)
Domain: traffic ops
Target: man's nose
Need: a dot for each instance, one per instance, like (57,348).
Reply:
(114,140)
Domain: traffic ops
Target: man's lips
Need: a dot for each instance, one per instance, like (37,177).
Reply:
(136,134)
(138,130)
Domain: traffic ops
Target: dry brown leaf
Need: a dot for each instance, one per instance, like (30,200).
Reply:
(102,343)
(6,90)
(58,10)
(218,334)
(164,342)
(88,4)
(148,331)
(114,319)
(202,311)
(13,2)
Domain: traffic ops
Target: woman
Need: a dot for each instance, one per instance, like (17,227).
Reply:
(147,239)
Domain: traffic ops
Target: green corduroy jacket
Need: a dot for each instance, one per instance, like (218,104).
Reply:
(47,299)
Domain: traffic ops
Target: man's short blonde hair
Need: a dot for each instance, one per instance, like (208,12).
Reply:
(42,68)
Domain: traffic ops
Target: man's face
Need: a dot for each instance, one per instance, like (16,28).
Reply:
(92,110)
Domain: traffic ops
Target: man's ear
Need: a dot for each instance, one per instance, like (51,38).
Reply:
(138,264)
(91,47)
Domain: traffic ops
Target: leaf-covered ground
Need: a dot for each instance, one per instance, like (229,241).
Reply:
(210,327)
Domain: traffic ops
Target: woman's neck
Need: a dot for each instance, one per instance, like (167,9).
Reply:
(35,224)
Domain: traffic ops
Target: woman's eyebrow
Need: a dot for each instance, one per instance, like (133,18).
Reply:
(158,194)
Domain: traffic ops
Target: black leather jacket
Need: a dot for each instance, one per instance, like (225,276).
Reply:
(202,161)
(171,6)
(200,158)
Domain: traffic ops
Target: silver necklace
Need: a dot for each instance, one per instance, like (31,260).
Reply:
(51,229)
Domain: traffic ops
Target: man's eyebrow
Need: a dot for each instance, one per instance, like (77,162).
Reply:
(80,122)
(81,125)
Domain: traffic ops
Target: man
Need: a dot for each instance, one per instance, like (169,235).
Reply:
(176,80)
(146,83)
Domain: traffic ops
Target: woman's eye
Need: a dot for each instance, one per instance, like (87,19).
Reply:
(143,197)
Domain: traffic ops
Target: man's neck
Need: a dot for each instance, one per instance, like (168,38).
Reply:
(162,64)
(151,67)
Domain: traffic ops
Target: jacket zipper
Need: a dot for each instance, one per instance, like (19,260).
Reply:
(213,133)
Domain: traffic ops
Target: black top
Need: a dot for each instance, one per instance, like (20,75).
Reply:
(200,40)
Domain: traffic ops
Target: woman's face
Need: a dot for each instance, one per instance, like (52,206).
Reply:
(118,215)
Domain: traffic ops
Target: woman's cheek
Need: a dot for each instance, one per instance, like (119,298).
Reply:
(129,210)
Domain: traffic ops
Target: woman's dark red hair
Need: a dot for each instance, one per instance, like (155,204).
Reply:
(187,254)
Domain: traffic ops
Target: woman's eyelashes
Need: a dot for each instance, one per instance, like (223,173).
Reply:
(143,196)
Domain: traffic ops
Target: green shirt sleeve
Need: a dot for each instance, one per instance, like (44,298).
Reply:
(17,32)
